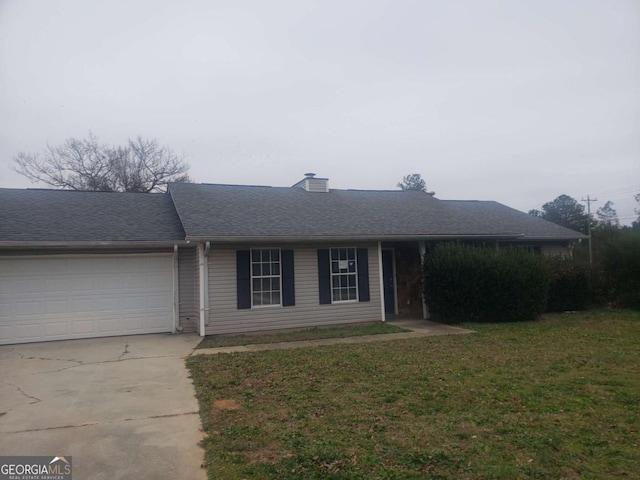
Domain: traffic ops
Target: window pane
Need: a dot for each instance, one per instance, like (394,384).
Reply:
(343,254)
(255,256)
(275,269)
(266,285)
(344,281)
(334,267)
(275,284)
(257,270)
(275,255)
(352,280)
(256,285)
(352,294)
(334,254)
(266,299)
(275,298)
(257,299)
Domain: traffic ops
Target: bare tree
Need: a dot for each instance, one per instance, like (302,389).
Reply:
(607,216)
(139,166)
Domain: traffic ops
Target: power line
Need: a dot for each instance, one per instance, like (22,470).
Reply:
(621,190)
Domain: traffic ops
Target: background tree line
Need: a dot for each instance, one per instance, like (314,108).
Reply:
(615,270)
(568,212)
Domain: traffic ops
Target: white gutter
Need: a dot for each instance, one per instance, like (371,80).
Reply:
(91,244)
(381,278)
(351,238)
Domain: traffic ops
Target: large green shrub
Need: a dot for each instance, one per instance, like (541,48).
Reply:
(621,265)
(466,283)
(569,285)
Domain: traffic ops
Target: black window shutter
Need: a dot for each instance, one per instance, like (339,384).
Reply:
(288,281)
(363,274)
(243,273)
(324,276)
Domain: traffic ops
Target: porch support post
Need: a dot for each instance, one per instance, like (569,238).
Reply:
(176,292)
(423,252)
(201,285)
(381,278)
(203,252)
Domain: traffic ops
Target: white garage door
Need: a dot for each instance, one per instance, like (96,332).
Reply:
(61,297)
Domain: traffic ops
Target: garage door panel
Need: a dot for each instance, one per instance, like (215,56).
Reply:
(56,306)
(27,331)
(82,327)
(109,325)
(134,325)
(52,298)
(154,323)
(156,301)
(82,305)
(59,328)
(25,308)
(133,303)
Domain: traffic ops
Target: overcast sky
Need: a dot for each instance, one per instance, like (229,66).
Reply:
(513,101)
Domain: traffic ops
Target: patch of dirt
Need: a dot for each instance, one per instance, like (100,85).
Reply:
(226,405)
(270,454)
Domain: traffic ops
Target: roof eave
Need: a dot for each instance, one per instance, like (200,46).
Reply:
(93,244)
(342,238)
(566,238)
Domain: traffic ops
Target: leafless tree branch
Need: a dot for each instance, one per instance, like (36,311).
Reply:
(140,166)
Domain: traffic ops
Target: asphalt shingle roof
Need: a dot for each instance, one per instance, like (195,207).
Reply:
(71,216)
(235,212)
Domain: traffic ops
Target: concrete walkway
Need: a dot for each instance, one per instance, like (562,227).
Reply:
(418,328)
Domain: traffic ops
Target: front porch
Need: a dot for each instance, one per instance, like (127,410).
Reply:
(402,275)
(402,281)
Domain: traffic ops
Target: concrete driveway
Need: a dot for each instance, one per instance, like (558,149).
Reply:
(122,407)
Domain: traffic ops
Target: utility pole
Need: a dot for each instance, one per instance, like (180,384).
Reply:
(589,201)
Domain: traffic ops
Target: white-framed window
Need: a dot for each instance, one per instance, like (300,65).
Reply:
(344,275)
(266,280)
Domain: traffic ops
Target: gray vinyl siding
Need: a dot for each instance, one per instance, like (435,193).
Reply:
(224,316)
(188,306)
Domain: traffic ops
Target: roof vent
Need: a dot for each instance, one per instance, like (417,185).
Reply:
(312,184)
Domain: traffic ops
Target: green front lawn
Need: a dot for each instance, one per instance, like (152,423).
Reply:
(339,331)
(556,398)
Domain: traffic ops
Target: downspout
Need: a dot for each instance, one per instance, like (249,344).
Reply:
(381,277)
(176,292)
